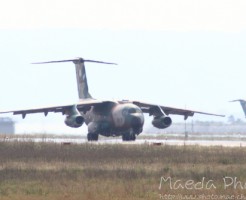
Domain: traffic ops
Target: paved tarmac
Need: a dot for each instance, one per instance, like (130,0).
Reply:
(226,143)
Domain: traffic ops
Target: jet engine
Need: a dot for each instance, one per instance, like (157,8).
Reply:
(74,121)
(162,122)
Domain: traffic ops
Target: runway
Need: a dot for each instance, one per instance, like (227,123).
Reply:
(225,143)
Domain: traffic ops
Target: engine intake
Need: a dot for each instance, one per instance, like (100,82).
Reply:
(162,122)
(74,121)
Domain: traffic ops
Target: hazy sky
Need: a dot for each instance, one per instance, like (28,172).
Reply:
(175,53)
(177,15)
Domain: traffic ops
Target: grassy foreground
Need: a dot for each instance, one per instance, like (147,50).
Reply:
(31,170)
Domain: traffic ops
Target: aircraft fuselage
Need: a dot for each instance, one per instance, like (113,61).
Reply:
(114,119)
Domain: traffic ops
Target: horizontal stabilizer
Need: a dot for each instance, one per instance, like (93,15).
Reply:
(76,60)
(237,100)
(243,104)
(83,89)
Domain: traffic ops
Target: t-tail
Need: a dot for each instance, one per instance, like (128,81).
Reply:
(243,104)
(83,89)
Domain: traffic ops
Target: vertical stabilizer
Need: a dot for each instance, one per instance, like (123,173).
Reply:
(83,89)
(243,104)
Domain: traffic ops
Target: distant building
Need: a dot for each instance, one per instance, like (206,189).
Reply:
(7,126)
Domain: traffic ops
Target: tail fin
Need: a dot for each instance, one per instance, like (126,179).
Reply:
(243,104)
(83,89)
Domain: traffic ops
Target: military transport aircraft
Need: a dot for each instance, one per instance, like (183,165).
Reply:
(243,104)
(108,118)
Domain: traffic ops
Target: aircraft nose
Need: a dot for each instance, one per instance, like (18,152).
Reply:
(137,119)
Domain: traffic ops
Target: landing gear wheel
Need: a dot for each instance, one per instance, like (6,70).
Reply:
(92,137)
(133,137)
(128,137)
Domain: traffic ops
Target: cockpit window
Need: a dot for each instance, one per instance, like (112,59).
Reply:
(130,110)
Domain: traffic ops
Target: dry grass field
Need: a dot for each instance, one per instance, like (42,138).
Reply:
(30,170)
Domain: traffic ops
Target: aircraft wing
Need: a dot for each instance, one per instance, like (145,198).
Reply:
(82,105)
(157,110)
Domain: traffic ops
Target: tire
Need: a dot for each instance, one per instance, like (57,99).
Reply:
(92,137)
(128,137)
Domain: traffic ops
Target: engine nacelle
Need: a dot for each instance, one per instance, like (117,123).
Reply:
(74,121)
(162,122)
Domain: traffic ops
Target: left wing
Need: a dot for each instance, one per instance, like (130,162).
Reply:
(157,110)
(82,105)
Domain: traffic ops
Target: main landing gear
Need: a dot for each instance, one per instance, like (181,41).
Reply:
(92,137)
(128,137)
